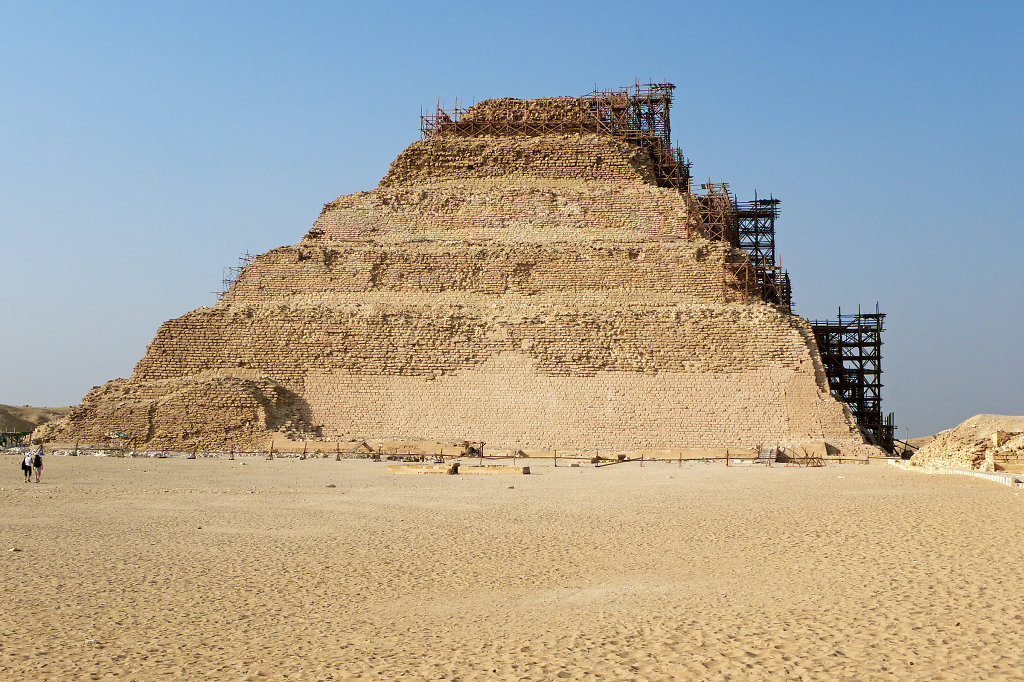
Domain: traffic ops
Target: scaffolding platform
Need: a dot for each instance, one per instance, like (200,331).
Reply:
(851,351)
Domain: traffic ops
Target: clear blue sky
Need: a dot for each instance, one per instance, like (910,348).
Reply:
(145,146)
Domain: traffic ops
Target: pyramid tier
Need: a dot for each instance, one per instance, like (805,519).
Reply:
(528,374)
(490,211)
(431,271)
(547,158)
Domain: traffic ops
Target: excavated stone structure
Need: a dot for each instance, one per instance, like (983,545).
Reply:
(528,291)
(988,442)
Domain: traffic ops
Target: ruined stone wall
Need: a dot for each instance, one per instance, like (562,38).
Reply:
(539,109)
(981,442)
(572,157)
(210,410)
(496,211)
(510,404)
(398,273)
(286,342)
(698,375)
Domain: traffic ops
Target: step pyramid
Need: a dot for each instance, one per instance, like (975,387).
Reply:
(527,275)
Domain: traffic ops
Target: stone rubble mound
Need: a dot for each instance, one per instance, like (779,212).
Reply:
(518,110)
(982,442)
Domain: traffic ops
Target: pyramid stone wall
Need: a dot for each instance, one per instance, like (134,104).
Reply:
(524,291)
(586,158)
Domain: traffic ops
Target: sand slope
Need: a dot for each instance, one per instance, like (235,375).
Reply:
(223,570)
(26,418)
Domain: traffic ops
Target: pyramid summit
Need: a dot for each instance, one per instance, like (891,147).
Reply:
(531,273)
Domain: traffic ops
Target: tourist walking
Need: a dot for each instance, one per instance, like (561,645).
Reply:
(26,467)
(37,463)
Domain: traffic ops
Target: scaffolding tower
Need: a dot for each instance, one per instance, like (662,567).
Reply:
(755,228)
(749,226)
(851,351)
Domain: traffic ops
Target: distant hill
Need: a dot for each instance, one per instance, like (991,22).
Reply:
(25,418)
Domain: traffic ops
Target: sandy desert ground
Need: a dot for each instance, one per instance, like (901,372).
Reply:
(252,569)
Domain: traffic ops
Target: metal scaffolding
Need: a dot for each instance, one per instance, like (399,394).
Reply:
(749,226)
(851,351)
(230,274)
(638,114)
(716,211)
(755,227)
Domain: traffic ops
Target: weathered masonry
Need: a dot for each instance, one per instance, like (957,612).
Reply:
(531,273)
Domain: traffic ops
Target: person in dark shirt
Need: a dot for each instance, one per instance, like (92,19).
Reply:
(37,463)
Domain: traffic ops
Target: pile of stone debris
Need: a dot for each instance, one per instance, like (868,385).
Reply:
(985,442)
(542,109)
